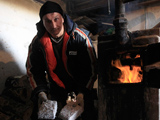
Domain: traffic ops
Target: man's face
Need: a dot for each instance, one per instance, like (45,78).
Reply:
(53,22)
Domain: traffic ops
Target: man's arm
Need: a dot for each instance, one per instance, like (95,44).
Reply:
(86,72)
(36,68)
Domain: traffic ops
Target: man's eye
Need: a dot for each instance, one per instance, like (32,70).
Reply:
(49,21)
(56,19)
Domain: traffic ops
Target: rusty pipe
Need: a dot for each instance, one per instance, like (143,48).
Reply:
(120,23)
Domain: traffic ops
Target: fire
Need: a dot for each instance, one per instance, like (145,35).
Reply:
(129,74)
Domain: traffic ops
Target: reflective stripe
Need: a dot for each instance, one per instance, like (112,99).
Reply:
(29,66)
(91,54)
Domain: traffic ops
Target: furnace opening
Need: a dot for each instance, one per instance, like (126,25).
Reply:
(127,69)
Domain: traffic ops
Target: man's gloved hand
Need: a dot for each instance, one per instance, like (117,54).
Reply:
(76,100)
(47,108)
(80,100)
(74,107)
(42,97)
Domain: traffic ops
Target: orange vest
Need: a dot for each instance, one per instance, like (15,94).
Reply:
(50,56)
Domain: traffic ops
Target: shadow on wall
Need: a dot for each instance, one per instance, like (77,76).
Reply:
(8,66)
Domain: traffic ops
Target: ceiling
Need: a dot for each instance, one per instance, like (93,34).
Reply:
(95,15)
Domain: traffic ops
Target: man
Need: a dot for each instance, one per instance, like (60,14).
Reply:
(64,53)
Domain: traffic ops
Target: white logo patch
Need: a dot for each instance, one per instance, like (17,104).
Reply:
(72,52)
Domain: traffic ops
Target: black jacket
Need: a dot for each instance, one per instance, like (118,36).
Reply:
(78,56)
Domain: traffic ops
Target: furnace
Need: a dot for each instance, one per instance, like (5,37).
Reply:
(129,70)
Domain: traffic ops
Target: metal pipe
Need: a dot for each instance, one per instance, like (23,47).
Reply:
(109,7)
(120,23)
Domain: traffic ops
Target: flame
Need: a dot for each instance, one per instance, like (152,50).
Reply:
(128,75)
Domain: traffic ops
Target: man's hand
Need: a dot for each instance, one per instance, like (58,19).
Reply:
(80,100)
(73,109)
(77,100)
(42,97)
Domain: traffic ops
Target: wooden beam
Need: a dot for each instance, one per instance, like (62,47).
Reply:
(149,2)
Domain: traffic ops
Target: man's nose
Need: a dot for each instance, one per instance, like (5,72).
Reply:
(54,25)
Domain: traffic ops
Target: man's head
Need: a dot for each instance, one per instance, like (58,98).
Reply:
(52,16)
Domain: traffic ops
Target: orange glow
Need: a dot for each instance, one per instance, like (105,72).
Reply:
(128,75)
